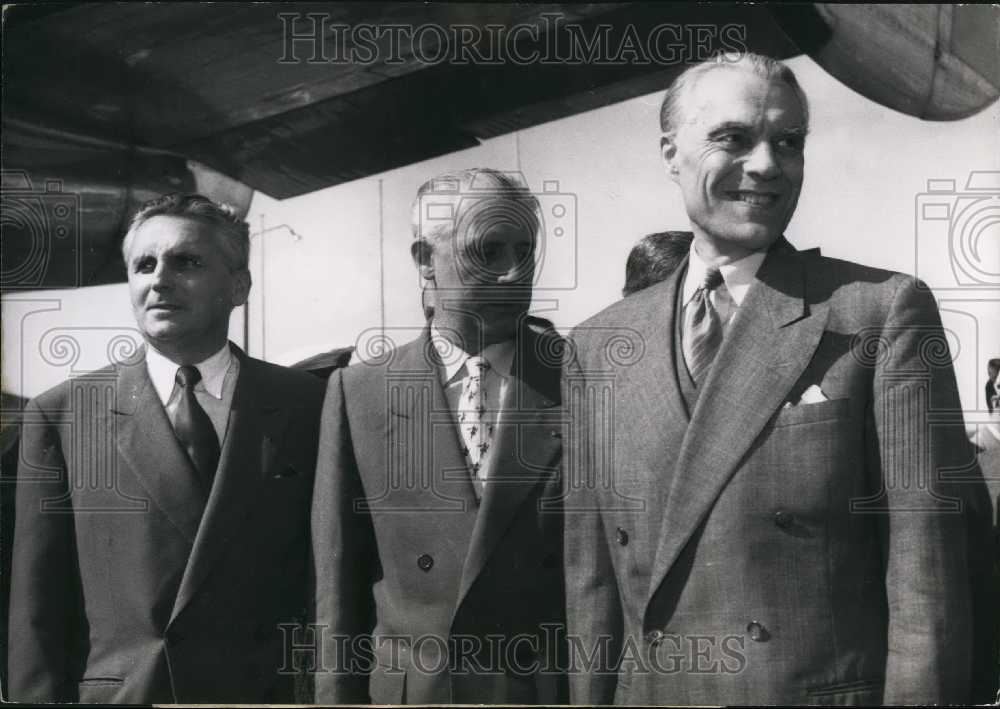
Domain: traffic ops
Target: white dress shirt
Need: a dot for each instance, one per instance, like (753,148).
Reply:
(738,277)
(214,392)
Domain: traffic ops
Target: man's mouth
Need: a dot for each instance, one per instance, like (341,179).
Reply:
(163,307)
(756,199)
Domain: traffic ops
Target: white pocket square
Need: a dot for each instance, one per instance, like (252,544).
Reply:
(812,395)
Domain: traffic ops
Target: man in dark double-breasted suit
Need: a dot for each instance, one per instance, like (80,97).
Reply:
(770,496)
(436,530)
(162,503)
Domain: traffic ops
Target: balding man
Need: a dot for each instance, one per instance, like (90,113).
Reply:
(436,535)
(162,523)
(771,494)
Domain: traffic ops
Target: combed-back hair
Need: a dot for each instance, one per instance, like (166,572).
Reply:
(672,108)
(232,233)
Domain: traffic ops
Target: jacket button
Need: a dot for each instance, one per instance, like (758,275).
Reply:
(621,536)
(425,562)
(654,637)
(783,519)
(758,633)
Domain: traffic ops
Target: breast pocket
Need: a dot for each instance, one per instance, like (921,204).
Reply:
(813,413)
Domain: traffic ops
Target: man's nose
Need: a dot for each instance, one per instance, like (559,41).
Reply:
(162,278)
(513,268)
(762,162)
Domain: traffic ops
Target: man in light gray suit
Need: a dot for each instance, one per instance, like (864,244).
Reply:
(769,495)
(437,558)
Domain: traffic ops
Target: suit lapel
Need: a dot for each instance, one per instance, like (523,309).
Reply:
(522,455)
(146,441)
(256,423)
(649,383)
(646,395)
(768,346)
(419,413)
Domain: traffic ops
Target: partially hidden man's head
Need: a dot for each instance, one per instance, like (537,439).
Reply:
(654,258)
(475,233)
(187,262)
(734,131)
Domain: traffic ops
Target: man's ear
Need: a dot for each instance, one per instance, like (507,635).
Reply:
(422,253)
(241,287)
(668,151)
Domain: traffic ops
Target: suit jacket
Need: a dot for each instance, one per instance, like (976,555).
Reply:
(411,574)
(749,552)
(128,585)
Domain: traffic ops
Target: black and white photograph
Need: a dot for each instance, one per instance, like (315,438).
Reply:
(501,353)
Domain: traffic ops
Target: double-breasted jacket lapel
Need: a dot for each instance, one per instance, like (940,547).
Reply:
(656,369)
(767,347)
(639,360)
(146,442)
(257,421)
(524,452)
(424,467)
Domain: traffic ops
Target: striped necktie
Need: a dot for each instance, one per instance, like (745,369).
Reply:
(702,332)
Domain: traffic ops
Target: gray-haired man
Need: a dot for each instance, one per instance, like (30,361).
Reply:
(761,508)
(438,567)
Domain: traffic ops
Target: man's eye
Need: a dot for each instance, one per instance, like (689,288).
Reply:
(146,265)
(792,143)
(732,140)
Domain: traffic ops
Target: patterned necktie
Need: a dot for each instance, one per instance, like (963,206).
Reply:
(702,333)
(194,428)
(476,431)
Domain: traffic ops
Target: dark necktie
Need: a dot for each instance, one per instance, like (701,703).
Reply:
(194,428)
(702,332)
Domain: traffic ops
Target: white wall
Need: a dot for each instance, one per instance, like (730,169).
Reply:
(350,270)
(49,336)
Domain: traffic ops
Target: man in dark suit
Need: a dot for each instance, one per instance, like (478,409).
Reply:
(162,503)
(770,496)
(437,559)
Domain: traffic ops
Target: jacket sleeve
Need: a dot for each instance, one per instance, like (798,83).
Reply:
(45,599)
(594,621)
(934,499)
(343,554)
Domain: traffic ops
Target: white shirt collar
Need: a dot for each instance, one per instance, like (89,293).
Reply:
(163,371)
(738,275)
(500,355)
